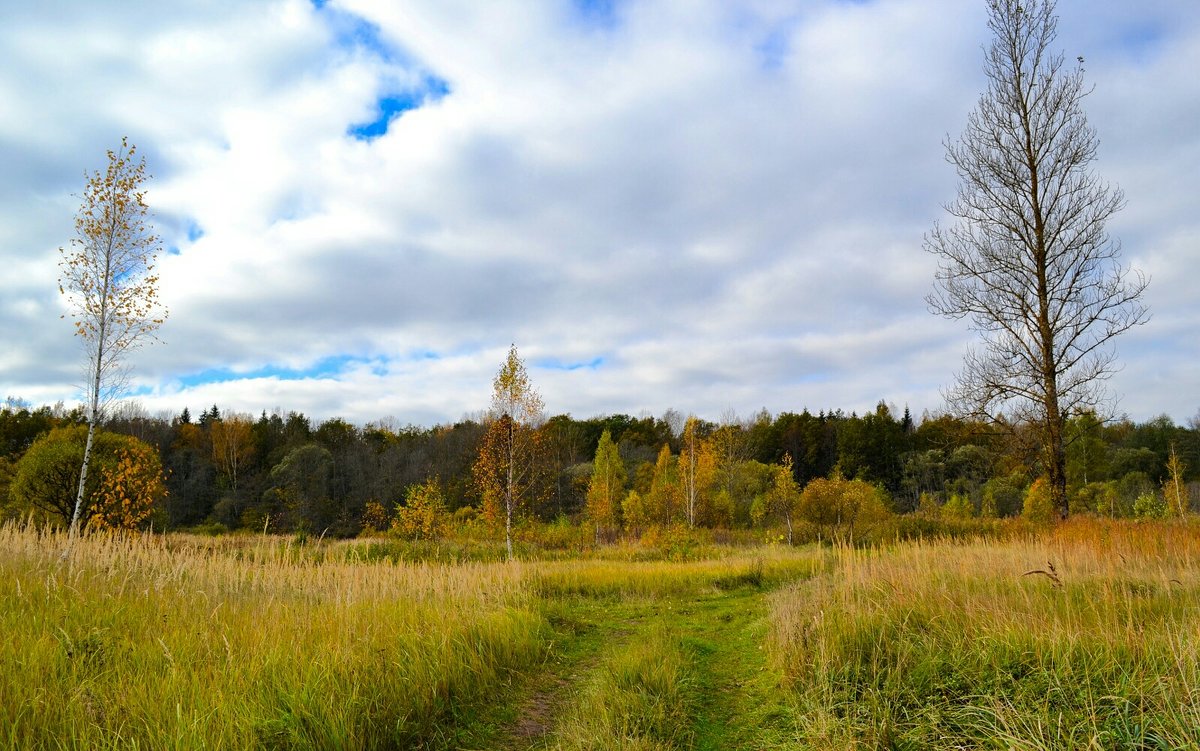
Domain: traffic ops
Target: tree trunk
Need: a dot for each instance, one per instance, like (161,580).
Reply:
(93,418)
(508,490)
(83,472)
(1056,461)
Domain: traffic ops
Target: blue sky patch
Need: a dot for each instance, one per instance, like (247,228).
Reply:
(553,364)
(323,368)
(1142,42)
(392,106)
(353,32)
(773,49)
(602,13)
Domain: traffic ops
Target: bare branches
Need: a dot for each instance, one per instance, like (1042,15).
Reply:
(1028,261)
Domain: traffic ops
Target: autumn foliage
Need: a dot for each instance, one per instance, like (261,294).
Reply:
(122,490)
(128,489)
(423,515)
(109,280)
(508,473)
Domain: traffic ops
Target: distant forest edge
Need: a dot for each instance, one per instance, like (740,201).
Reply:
(282,473)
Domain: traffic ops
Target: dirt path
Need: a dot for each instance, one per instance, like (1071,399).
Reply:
(738,701)
(584,631)
(741,704)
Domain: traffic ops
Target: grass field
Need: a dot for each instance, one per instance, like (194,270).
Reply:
(259,642)
(1086,639)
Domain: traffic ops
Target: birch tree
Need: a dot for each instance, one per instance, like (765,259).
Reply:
(232,444)
(784,494)
(506,469)
(1175,491)
(108,277)
(697,470)
(1027,259)
(606,486)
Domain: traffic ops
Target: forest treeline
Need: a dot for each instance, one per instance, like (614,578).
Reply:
(284,472)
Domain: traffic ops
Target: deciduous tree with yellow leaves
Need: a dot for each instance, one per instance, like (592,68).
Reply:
(122,491)
(506,471)
(232,445)
(697,471)
(606,487)
(109,279)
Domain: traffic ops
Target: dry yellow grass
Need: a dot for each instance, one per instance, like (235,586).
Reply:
(177,642)
(941,644)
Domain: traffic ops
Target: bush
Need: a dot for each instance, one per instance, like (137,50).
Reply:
(225,512)
(959,507)
(1004,495)
(1038,508)
(1150,506)
(423,515)
(843,506)
(124,484)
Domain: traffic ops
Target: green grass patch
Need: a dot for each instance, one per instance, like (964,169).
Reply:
(643,697)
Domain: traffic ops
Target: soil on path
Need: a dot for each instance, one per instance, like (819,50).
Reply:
(739,704)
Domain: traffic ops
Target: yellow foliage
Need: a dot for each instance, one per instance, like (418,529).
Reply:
(1174,489)
(375,516)
(423,515)
(959,507)
(606,485)
(697,473)
(633,509)
(1039,509)
(837,501)
(128,490)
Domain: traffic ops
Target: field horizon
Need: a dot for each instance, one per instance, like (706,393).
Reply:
(1081,635)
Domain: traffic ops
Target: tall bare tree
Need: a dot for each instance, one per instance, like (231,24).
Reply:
(109,279)
(1028,259)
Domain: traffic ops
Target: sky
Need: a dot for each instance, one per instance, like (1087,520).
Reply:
(711,206)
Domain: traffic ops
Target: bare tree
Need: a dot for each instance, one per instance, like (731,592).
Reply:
(108,278)
(1028,260)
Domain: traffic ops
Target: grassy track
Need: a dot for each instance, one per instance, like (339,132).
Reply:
(238,643)
(743,706)
(678,665)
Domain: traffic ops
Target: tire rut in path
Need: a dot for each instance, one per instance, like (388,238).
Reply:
(581,644)
(741,705)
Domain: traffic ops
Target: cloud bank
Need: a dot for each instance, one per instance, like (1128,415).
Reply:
(700,205)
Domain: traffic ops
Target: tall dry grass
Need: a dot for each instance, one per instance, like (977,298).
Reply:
(953,645)
(765,567)
(151,642)
(260,642)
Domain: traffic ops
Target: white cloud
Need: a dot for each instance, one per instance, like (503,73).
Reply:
(724,203)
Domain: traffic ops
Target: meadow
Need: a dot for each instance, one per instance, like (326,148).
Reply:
(1082,636)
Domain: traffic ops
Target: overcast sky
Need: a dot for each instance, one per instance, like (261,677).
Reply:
(702,205)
